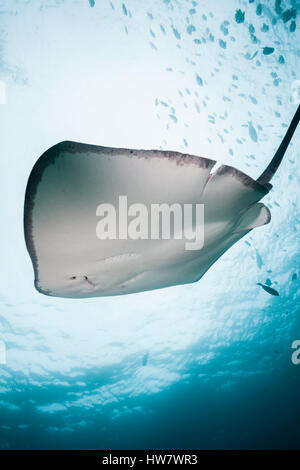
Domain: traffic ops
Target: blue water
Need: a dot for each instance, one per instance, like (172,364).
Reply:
(207,365)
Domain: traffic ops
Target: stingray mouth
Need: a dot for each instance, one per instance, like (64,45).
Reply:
(84,277)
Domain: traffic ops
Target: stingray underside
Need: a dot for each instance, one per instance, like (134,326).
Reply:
(71,179)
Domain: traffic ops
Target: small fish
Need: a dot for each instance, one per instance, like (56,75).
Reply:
(176,33)
(239,16)
(252,131)
(268,282)
(199,80)
(268,289)
(294,277)
(254,55)
(259,260)
(259,9)
(287,15)
(124,9)
(268,50)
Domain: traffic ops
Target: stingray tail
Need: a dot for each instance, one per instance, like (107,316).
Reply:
(271,169)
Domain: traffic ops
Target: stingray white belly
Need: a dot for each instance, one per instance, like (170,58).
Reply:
(71,179)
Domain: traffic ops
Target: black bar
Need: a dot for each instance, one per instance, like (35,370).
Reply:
(149,458)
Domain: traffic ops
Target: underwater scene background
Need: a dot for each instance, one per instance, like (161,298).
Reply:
(201,366)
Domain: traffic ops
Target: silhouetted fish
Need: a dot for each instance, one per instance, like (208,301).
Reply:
(259,260)
(268,289)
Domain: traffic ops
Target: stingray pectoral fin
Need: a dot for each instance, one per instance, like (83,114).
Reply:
(228,192)
(254,216)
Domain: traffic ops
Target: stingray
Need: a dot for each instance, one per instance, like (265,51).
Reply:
(71,179)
